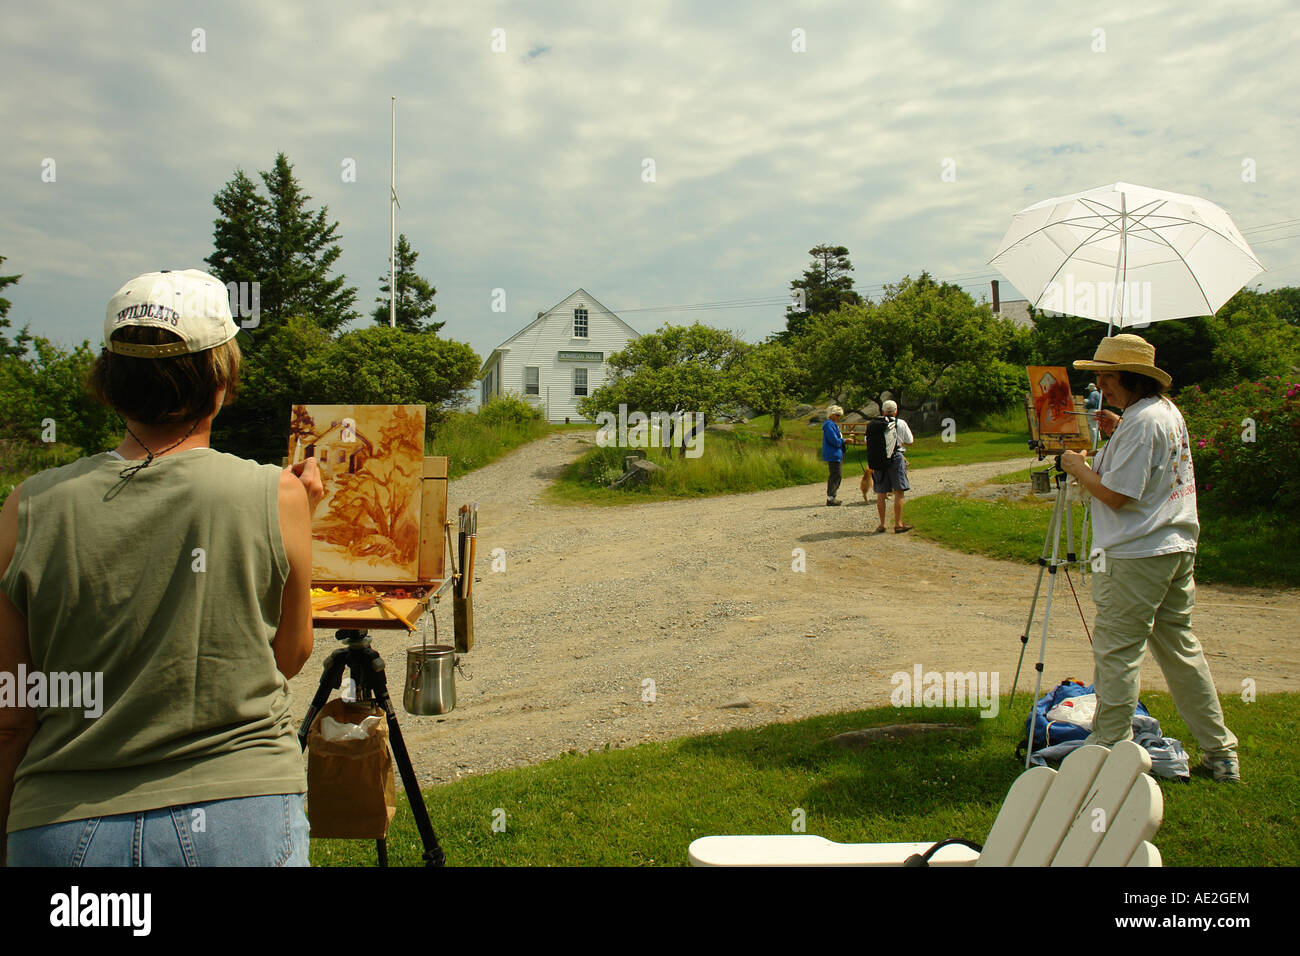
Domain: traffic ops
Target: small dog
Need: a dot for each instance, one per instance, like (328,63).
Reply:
(866,486)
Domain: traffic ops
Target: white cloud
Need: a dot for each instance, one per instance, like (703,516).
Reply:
(525,172)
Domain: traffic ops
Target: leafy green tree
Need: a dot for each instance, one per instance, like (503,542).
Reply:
(414,303)
(280,243)
(298,362)
(920,332)
(1251,340)
(51,385)
(826,286)
(1285,303)
(821,348)
(277,375)
(771,377)
(1245,339)
(678,370)
(379,365)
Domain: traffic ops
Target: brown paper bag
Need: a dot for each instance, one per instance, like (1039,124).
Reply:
(350,790)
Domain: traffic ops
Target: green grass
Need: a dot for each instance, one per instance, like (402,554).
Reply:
(995,438)
(642,806)
(470,443)
(968,448)
(730,463)
(1250,551)
(746,460)
(1015,477)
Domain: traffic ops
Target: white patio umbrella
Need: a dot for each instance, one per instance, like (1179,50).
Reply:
(1126,255)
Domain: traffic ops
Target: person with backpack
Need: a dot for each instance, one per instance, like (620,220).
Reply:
(1145,530)
(887,436)
(833,453)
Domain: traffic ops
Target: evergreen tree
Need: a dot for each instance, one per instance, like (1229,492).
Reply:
(280,243)
(240,254)
(827,287)
(414,294)
(18,347)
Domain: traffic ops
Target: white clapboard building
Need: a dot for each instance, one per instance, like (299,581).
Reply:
(559,358)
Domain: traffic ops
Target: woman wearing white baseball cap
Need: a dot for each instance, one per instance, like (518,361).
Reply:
(172,580)
(1145,530)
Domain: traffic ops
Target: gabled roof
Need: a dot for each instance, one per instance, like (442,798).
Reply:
(504,345)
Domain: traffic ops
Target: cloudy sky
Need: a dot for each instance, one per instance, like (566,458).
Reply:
(772,127)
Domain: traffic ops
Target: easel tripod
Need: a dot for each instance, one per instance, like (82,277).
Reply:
(366,668)
(1049,561)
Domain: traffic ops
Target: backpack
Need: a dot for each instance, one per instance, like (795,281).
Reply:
(877,430)
(1048,733)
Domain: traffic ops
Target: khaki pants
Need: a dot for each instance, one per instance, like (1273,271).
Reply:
(1150,599)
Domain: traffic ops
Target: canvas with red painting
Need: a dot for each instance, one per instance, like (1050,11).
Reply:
(1053,401)
(367,528)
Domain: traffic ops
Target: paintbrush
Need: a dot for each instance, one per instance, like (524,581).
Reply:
(384,605)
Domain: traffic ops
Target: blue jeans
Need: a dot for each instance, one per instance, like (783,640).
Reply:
(248,831)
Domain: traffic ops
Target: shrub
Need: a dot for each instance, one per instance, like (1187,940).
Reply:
(509,410)
(1234,473)
(973,390)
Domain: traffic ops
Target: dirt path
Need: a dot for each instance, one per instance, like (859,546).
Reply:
(701,598)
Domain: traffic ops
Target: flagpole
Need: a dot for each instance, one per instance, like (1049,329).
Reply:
(392,229)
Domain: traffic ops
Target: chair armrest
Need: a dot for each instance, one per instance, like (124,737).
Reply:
(809,850)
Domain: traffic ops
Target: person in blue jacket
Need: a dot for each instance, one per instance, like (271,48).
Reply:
(833,452)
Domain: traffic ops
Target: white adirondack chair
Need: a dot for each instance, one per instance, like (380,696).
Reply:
(1099,809)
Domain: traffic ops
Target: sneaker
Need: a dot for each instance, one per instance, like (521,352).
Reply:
(833,503)
(1226,768)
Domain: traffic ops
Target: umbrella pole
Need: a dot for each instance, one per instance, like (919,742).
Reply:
(1121,267)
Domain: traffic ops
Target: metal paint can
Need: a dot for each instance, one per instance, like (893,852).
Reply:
(430,679)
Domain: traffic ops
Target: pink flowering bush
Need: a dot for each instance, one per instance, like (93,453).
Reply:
(1234,473)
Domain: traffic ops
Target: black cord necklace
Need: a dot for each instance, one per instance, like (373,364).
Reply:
(150,456)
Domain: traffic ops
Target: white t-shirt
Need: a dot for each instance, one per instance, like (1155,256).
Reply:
(1149,459)
(899,434)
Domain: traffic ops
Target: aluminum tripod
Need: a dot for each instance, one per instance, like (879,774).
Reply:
(1049,561)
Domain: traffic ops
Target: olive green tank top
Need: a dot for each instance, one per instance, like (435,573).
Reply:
(164,589)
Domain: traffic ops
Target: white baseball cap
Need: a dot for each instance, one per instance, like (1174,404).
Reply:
(187,302)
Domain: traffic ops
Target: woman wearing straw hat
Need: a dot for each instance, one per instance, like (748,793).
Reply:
(1145,531)
(173,581)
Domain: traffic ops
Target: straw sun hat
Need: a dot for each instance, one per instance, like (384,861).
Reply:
(1126,353)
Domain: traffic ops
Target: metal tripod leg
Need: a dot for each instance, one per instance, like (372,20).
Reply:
(367,669)
(1033,604)
(1054,534)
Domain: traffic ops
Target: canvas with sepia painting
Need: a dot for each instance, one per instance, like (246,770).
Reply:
(377,537)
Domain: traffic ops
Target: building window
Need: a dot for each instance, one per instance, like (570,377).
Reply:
(579,323)
(579,381)
(531,382)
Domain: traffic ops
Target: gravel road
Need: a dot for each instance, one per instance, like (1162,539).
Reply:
(701,598)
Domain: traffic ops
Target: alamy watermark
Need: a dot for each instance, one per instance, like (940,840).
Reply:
(78,690)
(950,689)
(658,429)
(1132,300)
(244,299)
